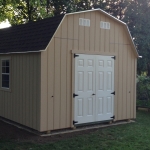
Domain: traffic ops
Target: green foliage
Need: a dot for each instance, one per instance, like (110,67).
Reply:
(26,11)
(114,7)
(143,91)
(23,11)
(138,19)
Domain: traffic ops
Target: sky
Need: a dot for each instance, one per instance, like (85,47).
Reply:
(4,24)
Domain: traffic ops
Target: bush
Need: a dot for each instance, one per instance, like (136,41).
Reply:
(143,91)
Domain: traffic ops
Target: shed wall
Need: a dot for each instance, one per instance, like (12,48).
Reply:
(22,102)
(57,77)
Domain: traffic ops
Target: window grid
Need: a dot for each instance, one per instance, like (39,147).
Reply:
(5,74)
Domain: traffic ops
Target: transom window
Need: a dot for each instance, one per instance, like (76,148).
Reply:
(5,73)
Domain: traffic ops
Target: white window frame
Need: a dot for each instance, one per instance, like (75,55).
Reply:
(84,22)
(5,73)
(104,25)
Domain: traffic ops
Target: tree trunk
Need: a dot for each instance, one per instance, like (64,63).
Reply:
(148,69)
(29,11)
(47,10)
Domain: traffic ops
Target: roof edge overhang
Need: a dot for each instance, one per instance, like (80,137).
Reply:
(22,52)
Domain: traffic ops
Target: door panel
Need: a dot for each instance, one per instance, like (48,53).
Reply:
(104,87)
(100,105)
(85,87)
(80,106)
(80,81)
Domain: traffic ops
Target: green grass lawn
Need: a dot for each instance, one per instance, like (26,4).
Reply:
(133,136)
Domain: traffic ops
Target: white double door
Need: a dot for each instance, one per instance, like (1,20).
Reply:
(94,83)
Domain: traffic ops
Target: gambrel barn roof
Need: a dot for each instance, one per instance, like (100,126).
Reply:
(35,36)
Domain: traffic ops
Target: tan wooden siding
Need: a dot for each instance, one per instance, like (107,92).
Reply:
(22,102)
(70,38)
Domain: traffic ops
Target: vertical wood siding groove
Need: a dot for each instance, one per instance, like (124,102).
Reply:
(72,33)
(131,87)
(122,51)
(21,91)
(127,85)
(97,34)
(89,32)
(84,35)
(109,36)
(115,77)
(54,84)
(66,50)
(59,100)
(34,116)
(28,94)
(17,88)
(78,32)
(135,73)
(67,65)
(47,90)
(94,31)
(132,100)
(102,35)
(26,87)
(66,53)
(105,36)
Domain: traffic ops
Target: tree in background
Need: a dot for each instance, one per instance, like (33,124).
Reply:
(137,17)
(5,9)
(114,7)
(23,11)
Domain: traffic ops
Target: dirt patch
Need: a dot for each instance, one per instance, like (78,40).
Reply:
(11,132)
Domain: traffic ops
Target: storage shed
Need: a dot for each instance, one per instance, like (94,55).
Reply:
(68,70)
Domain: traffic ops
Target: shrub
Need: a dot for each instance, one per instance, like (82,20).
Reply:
(143,91)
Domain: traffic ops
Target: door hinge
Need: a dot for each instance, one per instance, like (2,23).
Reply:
(113,93)
(114,57)
(74,95)
(74,122)
(76,55)
(113,117)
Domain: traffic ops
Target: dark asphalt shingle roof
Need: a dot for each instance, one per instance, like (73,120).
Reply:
(33,36)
